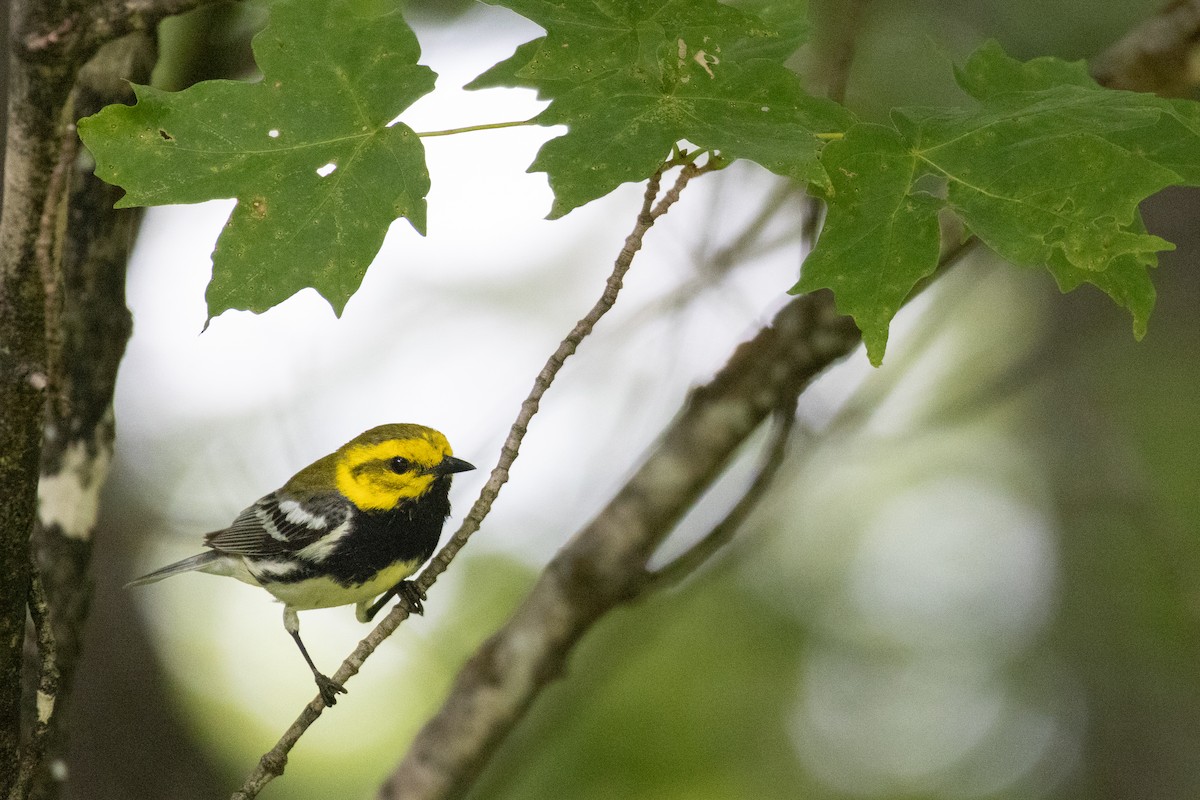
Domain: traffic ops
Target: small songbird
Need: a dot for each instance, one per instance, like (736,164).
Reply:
(345,529)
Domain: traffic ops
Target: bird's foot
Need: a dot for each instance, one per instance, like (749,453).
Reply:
(411,594)
(407,591)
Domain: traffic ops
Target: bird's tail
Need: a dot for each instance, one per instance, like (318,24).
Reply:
(196,562)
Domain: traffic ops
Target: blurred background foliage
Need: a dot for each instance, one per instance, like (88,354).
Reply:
(977,576)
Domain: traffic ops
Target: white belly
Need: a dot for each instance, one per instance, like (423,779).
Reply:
(327,593)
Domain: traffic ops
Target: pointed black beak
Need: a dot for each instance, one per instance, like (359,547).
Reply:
(450,465)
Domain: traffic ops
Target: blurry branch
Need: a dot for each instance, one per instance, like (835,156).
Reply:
(272,763)
(1162,55)
(47,687)
(750,241)
(723,532)
(843,46)
(605,564)
(81,28)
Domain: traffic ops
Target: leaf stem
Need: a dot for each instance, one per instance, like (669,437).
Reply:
(485,127)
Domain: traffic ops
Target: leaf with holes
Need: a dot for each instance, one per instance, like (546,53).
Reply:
(632,79)
(309,152)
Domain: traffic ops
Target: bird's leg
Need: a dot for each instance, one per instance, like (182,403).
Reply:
(408,591)
(328,687)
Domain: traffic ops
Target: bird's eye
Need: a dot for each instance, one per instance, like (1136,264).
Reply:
(399,465)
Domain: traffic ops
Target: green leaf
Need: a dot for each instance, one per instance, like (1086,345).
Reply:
(1048,171)
(1126,281)
(990,72)
(1033,184)
(880,237)
(335,74)
(1164,131)
(786,19)
(506,73)
(632,79)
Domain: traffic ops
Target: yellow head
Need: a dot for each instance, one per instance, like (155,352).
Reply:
(379,468)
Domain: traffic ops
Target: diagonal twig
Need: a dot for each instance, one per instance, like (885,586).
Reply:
(272,763)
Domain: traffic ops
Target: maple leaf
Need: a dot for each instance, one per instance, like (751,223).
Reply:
(309,152)
(1047,170)
(632,79)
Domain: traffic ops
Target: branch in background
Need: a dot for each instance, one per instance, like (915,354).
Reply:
(272,763)
(604,565)
(47,688)
(840,57)
(1162,55)
(78,29)
(723,532)
(109,21)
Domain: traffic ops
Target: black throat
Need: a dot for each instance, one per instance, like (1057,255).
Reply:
(408,532)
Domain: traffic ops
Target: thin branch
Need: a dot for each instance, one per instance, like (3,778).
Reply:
(272,763)
(725,256)
(47,688)
(840,60)
(723,532)
(845,47)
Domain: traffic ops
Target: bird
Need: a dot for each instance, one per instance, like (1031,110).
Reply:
(348,528)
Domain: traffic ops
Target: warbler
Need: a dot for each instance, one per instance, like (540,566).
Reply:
(346,529)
